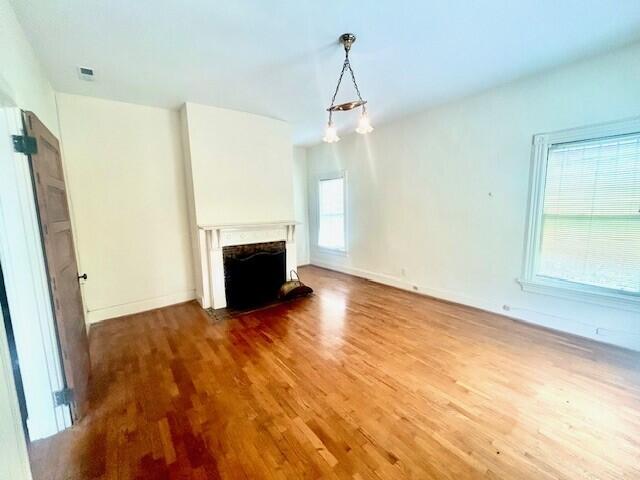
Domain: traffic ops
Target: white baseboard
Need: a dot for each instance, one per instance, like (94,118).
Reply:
(628,340)
(100,314)
(404,285)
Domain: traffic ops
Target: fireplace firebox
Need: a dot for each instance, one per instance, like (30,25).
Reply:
(253,273)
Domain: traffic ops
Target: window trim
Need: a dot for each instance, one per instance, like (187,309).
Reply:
(529,280)
(340,174)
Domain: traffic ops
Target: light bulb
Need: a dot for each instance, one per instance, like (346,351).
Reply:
(364,126)
(331,134)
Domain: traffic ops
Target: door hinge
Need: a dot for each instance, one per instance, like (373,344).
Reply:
(25,144)
(63,397)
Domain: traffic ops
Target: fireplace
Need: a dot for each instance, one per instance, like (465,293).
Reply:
(227,252)
(253,273)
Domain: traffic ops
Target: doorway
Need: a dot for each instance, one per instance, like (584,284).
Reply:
(26,292)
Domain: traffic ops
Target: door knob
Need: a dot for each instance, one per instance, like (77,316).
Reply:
(83,276)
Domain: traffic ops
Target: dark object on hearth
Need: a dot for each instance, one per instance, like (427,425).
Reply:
(294,288)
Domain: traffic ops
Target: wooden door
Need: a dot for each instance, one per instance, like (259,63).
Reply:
(55,225)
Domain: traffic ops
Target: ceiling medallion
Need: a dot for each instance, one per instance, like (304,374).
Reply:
(331,134)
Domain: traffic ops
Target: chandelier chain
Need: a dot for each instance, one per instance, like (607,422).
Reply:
(353,77)
(345,65)
(335,94)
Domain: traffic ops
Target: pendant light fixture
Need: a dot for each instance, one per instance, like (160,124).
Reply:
(364,126)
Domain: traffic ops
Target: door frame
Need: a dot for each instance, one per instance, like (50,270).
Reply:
(14,458)
(28,295)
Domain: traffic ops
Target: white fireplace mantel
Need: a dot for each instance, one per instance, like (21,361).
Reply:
(213,238)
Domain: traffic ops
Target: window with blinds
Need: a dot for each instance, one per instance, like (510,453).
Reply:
(585,217)
(331,214)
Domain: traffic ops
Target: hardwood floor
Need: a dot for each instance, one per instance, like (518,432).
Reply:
(359,381)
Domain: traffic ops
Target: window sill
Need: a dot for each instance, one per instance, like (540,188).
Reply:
(594,295)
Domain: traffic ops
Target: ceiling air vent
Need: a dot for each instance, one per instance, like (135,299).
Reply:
(86,73)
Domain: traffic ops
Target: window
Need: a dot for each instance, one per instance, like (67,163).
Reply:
(331,213)
(584,228)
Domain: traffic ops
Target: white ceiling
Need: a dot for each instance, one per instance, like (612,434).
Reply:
(280,58)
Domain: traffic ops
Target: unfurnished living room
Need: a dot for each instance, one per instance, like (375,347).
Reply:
(319,239)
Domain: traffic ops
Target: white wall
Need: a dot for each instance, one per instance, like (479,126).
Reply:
(301,204)
(21,75)
(241,164)
(126,177)
(439,199)
(198,267)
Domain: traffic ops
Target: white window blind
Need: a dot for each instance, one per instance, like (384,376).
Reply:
(331,230)
(590,226)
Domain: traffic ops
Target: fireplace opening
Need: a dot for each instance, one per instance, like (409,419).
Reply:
(254,273)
